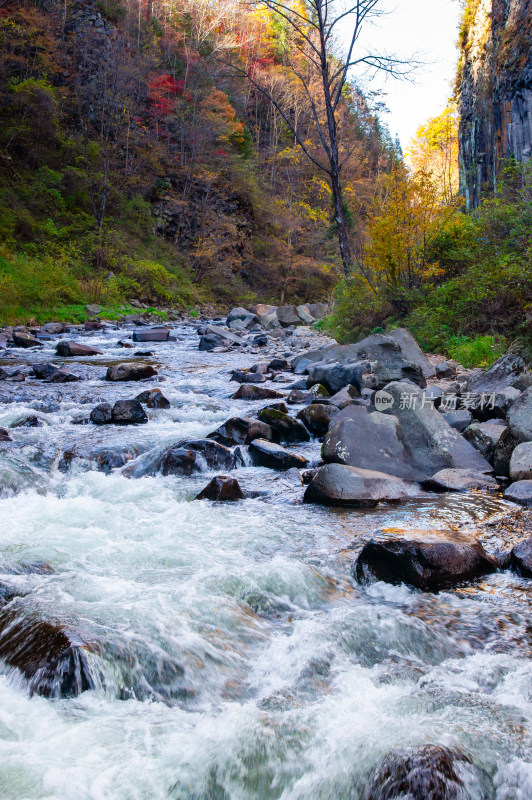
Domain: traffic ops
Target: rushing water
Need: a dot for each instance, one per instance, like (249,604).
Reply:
(238,658)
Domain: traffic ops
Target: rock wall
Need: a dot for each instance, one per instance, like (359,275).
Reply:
(495,89)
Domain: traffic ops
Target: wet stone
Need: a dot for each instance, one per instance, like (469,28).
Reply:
(52,659)
(221,489)
(153,398)
(70,349)
(130,371)
(427,560)
(102,414)
(128,412)
(423,773)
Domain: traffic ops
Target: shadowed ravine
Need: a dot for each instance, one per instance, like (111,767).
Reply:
(224,651)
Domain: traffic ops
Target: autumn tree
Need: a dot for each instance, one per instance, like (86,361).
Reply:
(434,149)
(314,57)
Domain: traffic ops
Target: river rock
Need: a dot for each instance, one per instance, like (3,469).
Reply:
(158,334)
(251,392)
(317,417)
(384,352)
(506,371)
(303,312)
(484,437)
(445,370)
(287,315)
(503,453)
(53,659)
(459,419)
(521,558)
(153,398)
(459,480)
(4,436)
(273,456)
(278,365)
(51,373)
(365,440)
(241,319)
(339,485)
(102,414)
(93,309)
(69,349)
(128,412)
(412,351)
(520,492)
(428,772)
(53,328)
(30,421)
(238,431)
(130,371)
(25,340)
(430,442)
(344,397)
(427,560)
(194,455)
(247,377)
(220,489)
(519,417)
(521,462)
(337,376)
(495,405)
(290,430)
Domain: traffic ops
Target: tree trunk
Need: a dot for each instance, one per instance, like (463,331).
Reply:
(341,222)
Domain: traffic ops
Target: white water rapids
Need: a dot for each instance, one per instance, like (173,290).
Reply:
(239,659)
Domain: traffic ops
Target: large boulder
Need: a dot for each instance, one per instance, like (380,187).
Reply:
(459,419)
(158,334)
(318,310)
(53,328)
(521,558)
(357,438)
(316,417)
(273,456)
(430,442)
(519,417)
(54,660)
(221,489)
(508,370)
(287,315)
(520,492)
(289,429)
(484,436)
(337,376)
(25,340)
(130,371)
(238,431)
(252,392)
(503,453)
(338,485)
(428,772)
(521,462)
(304,314)
(385,353)
(427,560)
(195,455)
(51,373)
(412,351)
(241,319)
(128,412)
(460,480)
(70,349)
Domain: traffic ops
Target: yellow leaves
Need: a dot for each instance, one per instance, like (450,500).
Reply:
(434,149)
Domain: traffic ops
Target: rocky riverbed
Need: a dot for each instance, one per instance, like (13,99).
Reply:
(241,561)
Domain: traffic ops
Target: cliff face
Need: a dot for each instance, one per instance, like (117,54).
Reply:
(495,88)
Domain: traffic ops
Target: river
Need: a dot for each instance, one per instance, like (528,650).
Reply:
(238,659)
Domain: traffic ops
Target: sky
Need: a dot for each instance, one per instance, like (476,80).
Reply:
(428,29)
